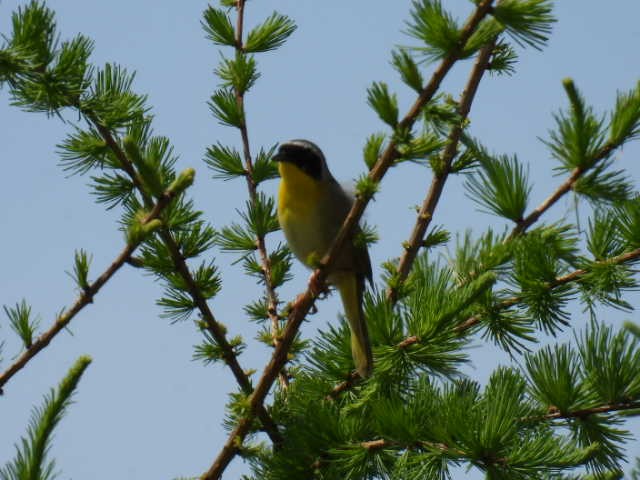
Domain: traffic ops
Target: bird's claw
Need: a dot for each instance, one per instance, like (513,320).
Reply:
(316,287)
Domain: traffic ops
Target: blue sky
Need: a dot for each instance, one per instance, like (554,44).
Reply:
(144,408)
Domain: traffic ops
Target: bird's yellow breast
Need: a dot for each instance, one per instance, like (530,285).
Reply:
(299,196)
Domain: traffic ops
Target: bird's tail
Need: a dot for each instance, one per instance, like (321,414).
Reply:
(351,291)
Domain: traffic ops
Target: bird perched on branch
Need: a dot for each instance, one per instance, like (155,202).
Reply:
(311,209)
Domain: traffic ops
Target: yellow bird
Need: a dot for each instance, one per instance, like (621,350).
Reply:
(311,209)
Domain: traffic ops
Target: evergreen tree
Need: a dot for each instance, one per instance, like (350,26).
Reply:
(557,411)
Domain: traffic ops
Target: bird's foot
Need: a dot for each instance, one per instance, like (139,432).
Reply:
(317,287)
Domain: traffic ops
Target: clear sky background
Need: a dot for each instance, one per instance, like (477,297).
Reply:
(144,409)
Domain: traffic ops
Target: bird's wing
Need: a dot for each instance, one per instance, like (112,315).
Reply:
(354,257)
(362,261)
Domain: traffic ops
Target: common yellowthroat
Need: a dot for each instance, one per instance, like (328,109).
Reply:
(311,209)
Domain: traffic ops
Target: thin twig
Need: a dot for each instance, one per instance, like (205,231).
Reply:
(424,219)
(533,217)
(305,300)
(352,379)
(432,198)
(472,321)
(240,25)
(574,276)
(585,412)
(563,189)
(523,224)
(265,261)
(382,443)
(530,219)
(85,298)
(216,329)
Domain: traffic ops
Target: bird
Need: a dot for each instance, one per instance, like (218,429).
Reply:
(311,209)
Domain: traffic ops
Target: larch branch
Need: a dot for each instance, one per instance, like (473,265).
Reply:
(85,298)
(574,276)
(434,192)
(586,412)
(265,261)
(427,210)
(305,300)
(215,328)
(563,189)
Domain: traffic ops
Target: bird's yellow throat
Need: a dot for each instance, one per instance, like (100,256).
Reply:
(298,193)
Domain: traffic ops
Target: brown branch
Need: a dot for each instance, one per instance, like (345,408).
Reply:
(240,25)
(585,412)
(574,276)
(425,215)
(521,227)
(472,321)
(279,357)
(432,197)
(381,443)
(351,380)
(563,189)
(114,146)
(217,330)
(376,444)
(566,186)
(390,154)
(305,300)
(88,293)
(530,219)
(407,342)
(265,261)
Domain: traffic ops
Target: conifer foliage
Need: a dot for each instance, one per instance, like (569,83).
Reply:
(558,412)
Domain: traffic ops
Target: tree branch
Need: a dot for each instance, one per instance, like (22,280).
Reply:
(425,217)
(432,197)
(585,412)
(240,25)
(566,187)
(574,276)
(216,329)
(88,293)
(383,443)
(305,300)
(430,202)
(272,297)
(352,380)
(474,320)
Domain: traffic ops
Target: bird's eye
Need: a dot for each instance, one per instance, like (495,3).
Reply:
(311,164)
(306,159)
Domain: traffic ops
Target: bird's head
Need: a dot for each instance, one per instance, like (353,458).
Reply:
(304,156)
